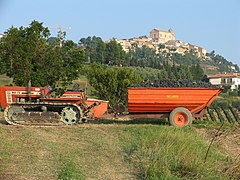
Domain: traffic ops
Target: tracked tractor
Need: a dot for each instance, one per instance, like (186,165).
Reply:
(35,106)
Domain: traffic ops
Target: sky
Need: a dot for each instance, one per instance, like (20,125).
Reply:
(211,24)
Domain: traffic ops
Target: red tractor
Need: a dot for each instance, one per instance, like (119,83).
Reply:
(33,105)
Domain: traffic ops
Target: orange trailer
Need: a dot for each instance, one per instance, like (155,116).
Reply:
(181,104)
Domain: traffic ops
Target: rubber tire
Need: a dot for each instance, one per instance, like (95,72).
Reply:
(183,110)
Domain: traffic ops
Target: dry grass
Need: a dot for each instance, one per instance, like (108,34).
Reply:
(108,151)
(60,153)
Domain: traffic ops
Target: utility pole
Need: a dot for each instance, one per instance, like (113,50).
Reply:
(60,28)
(60,36)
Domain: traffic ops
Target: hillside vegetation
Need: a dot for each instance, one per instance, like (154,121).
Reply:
(27,54)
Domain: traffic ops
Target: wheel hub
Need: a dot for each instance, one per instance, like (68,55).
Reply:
(180,119)
(70,115)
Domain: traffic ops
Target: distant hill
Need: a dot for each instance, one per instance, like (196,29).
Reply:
(217,64)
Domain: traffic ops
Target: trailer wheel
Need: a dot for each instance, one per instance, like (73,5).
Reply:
(180,117)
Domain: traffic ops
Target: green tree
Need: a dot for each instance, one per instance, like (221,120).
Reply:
(161,47)
(22,49)
(111,83)
(188,58)
(94,48)
(26,55)
(145,57)
(71,62)
(197,72)
(114,54)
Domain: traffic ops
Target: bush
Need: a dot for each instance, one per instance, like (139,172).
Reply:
(111,83)
(223,104)
(226,88)
(234,92)
(236,104)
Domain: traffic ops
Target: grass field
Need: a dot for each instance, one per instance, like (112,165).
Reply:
(146,150)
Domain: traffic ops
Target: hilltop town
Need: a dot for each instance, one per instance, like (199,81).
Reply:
(163,41)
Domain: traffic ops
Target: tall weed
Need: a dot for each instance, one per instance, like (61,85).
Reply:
(170,153)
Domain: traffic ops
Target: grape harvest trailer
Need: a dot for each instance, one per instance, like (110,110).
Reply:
(33,105)
(181,105)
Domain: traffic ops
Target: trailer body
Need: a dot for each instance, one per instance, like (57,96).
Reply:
(193,101)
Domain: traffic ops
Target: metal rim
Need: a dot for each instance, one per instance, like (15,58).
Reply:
(70,115)
(180,119)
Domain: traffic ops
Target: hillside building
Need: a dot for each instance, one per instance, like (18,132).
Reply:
(125,43)
(182,47)
(225,79)
(162,36)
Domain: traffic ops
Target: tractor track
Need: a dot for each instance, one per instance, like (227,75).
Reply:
(59,114)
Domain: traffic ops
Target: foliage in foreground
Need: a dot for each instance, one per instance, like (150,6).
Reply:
(156,152)
(111,84)
(170,153)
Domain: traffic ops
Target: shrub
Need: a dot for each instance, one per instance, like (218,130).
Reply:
(233,92)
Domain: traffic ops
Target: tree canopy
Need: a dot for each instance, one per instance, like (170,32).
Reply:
(111,84)
(96,50)
(26,55)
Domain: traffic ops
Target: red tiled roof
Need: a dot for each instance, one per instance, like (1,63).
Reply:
(222,76)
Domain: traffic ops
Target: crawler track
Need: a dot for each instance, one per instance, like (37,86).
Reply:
(43,114)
